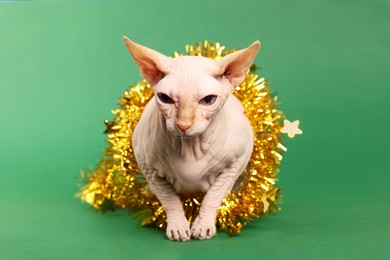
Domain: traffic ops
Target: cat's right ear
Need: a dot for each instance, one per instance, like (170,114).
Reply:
(235,65)
(153,65)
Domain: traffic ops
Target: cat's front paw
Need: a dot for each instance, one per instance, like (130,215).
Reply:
(178,230)
(203,228)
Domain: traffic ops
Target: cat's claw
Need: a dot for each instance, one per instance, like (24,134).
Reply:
(178,231)
(203,229)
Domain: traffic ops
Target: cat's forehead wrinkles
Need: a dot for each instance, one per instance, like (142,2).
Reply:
(190,72)
(191,78)
(193,63)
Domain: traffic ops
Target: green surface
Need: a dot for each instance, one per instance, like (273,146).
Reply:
(63,67)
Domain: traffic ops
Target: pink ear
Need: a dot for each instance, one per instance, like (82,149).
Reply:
(235,65)
(153,65)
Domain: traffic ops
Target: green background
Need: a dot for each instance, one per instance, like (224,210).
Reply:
(63,67)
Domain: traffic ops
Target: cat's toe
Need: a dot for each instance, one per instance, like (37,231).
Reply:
(203,230)
(178,232)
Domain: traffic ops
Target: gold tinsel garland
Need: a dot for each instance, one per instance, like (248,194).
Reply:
(118,183)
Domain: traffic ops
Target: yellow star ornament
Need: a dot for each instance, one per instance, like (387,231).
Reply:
(291,129)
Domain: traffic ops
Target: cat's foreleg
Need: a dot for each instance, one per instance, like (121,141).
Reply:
(178,227)
(204,225)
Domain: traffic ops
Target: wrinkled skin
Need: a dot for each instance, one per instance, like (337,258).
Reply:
(193,135)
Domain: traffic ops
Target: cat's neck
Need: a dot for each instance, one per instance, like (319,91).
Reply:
(191,148)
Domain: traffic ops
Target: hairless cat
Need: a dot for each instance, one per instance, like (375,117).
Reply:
(193,135)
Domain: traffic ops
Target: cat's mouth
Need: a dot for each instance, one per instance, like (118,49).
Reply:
(184,135)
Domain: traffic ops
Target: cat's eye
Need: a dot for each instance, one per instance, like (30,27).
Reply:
(165,98)
(208,100)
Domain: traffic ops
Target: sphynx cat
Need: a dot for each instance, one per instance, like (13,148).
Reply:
(193,135)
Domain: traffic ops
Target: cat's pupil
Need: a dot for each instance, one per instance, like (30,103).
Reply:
(208,100)
(165,98)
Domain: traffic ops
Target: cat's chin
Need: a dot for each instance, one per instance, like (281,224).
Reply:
(185,135)
(188,136)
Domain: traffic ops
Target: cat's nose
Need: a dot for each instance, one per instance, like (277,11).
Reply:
(183,128)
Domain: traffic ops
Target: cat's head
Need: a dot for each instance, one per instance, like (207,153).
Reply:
(190,90)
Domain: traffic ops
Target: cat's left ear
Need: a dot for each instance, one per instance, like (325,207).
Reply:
(235,65)
(153,65)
